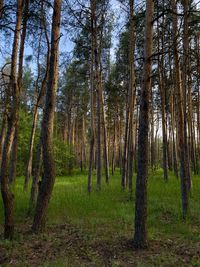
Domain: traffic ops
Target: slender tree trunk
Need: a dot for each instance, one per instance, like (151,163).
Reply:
(124,158)
(140,237)
(163,102)
(3,134)
(132,92)
(92,141)
(152,134)
(185,87)
(175,164)
(36,176)
(114,147)
(13,158)
(29,165)
(48,180)
(13,163)
(180,108)
(97,85)
(38,102)
(105,148)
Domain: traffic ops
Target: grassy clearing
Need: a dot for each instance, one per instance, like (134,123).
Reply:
(100,226)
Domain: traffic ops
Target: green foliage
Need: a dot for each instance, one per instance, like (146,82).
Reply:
(64,158)
(25,124)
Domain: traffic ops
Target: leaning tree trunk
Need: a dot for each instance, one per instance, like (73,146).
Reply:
(7,195)
(47,183)
(140,237)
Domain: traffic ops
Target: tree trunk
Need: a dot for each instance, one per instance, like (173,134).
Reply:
(3,134)
(38,102)
(175,164)
(124,158)
(48,180)
(140,237)
(97,85)
(91,155)
(35,181)
(105,147)
(7,195)
(185,87)
(132,92)
(163,101)
(13,164)
(180,108)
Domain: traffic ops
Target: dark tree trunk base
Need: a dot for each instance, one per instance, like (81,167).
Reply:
(140,244)
(9,232)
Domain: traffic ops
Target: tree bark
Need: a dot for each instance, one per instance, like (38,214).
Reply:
(3,134)
(185,87)
(7,195)
(35,181)
(92,141)
(48,180)
(132,92)
(140,236)
(13,164)
(38,102)
(180,109)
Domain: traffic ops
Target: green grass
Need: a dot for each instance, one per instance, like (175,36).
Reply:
(109,214)
(71,202)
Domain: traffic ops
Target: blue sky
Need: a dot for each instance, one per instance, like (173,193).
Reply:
(65,44)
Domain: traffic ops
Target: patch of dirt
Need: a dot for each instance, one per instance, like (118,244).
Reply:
(66,244)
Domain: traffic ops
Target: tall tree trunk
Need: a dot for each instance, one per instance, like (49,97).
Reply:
(124,158)
(163,101)
(152,135)
(13,163)
(185,87)
(97,85)
(132,92)
(113,147)
(175,164)
(140,237)
(91,155)
(39,100)
(48,180)
(180,109)
(7,195)
(105,147)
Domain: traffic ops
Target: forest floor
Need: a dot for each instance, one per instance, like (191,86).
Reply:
(97,230)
